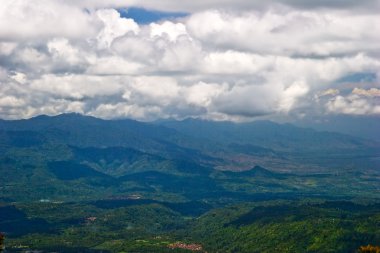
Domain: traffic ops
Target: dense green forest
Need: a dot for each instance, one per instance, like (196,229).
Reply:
(263,226)
(79,184)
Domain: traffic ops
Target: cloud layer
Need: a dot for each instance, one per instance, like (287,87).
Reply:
(233,60)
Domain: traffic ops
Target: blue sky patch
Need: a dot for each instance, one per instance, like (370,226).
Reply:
(358,77)
(143,16)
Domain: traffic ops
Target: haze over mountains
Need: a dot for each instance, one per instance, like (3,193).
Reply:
(364,127)
(173,138)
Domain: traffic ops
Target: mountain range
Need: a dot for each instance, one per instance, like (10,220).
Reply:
(75,156)
(74,183)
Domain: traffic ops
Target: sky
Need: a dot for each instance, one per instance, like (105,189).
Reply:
(236,60)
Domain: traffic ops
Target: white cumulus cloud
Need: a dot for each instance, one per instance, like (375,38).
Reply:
(224,60)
